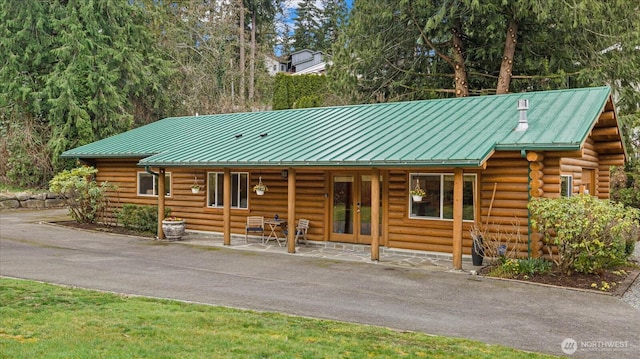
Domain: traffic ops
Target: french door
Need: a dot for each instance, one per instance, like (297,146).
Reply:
(351,208)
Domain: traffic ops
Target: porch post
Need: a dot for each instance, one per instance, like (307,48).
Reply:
(161,194)
(291,211)
(457,218)
(226,209)
(375,215)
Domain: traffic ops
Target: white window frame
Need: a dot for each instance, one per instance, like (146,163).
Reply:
(412,181)
(154,188)
(214,180)
(569,190)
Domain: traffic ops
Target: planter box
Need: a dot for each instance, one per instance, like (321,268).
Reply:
(173,230)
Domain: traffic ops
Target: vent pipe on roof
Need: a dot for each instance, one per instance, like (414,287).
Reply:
(523,124)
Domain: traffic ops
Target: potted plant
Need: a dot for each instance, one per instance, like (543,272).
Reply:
(417,193)
(195,188)
(260,188)
(477,247)
(173,227)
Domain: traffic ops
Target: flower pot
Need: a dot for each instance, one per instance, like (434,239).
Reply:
(195,190)
(259,192)
(417,198)
(173,230)
(477,251)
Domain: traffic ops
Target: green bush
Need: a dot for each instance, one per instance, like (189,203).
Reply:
(590,235)
(86,199)
(140,218)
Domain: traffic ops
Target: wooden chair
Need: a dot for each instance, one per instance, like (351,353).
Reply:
(301,230)
(254,224)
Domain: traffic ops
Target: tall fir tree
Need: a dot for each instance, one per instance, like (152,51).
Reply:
(78,66)
(333,17)
(306,28)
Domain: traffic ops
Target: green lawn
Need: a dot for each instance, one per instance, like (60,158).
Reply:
(46,321)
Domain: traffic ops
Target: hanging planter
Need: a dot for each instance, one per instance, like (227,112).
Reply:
(260,188)
(196,187)
(417,193)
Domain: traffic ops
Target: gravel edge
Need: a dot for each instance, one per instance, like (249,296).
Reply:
(632,295)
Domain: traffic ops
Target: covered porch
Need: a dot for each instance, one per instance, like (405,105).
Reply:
(340,204)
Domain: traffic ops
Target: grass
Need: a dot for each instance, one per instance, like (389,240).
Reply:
(45,321)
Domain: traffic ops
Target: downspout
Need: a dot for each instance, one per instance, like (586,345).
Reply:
(523,153)
(149,171)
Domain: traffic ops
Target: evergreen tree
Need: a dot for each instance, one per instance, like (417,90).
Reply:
(411,49)
(333,16)
(78,66)
(306,28)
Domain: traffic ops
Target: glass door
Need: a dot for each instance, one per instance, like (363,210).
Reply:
(351,210)
(342,209)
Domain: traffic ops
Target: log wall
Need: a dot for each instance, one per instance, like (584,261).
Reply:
(310,196)
(589,160)
(504,196)
(418,233)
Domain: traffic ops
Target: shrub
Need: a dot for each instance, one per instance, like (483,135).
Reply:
(499,244)
(140,218)
(86,199)
(590,235)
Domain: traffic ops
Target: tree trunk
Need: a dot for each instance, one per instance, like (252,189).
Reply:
(242,59)
(504,79)
(459,67)
(252,59)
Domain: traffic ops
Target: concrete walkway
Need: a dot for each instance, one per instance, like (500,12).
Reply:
(335,251)
(323,283)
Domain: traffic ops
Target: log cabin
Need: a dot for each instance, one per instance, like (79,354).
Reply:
(350,169)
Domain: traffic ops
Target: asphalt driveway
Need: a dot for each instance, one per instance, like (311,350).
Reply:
(518,315)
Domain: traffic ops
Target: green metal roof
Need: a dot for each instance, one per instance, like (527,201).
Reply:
(452,132)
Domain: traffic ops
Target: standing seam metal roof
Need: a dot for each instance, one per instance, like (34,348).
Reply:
(446,132)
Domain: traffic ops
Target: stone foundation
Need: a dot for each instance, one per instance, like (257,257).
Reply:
(31,201)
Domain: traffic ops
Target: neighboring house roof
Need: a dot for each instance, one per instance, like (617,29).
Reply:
(304,55)
(315,69)
(447,132)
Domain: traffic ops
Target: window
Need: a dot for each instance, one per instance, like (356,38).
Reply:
(589,181)
(566,186)
(148,184)
(239,190)
(438,200)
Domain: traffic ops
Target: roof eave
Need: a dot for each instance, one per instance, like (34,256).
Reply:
(539,147)
(473,163)
(106,155)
